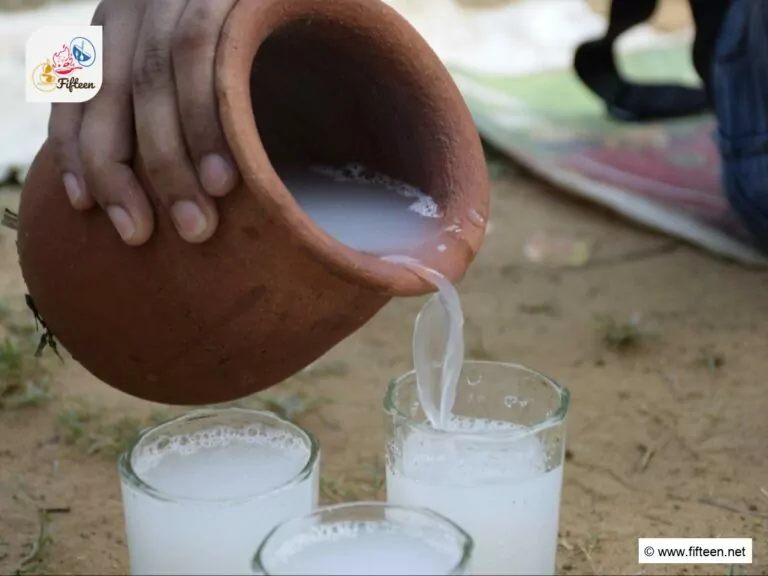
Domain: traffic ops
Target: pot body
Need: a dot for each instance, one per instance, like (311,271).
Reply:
(187,324)
(174,322)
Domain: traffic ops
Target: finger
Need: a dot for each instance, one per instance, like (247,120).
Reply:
(194,56)
(63,136)
(160,138)
(106,135)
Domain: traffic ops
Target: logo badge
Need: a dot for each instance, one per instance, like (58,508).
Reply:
(64,64)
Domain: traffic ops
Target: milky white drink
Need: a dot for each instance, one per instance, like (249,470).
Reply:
(504,492)
(374,213)
(499,492)
(365,538)
(363,549)
(205,498)
(368,212)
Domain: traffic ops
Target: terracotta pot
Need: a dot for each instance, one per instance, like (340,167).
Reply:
(299,81)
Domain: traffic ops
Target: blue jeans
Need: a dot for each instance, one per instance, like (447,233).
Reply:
(740,90)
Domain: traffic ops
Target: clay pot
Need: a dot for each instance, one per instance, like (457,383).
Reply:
(299,81)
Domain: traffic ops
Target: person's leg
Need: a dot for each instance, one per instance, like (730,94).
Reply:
(740,89)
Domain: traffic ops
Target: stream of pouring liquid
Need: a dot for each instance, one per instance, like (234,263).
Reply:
(438,344)
(374,213)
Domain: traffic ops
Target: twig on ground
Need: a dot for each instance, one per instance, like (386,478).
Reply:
(730,508)
(605,470)
(646,459)
(33,562)
(650,451)
(589,546)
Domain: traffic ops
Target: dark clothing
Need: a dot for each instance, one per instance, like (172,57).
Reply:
(730,54)
(740,85)
(708,16)
(595,64)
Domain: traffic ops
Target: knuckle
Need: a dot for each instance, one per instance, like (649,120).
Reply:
(198,29)
(189,38)
(201,14)
(200,123)
(157,165)
(151,67)
(92,165)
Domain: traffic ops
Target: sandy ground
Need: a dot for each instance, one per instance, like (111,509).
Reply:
(666,436)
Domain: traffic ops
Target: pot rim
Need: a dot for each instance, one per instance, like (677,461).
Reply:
(248,25)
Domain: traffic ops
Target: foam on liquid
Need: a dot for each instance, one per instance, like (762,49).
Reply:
(499,490)
(228,488)
(363,548)
(222,462)
(365,210)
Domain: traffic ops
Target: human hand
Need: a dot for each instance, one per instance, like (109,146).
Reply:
(158,98)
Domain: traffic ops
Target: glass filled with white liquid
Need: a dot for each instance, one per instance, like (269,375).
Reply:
(495,468)
(202,490)
(365,538)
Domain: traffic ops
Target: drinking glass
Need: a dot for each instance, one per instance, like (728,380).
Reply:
(365,538)
(496,469)
(200,491)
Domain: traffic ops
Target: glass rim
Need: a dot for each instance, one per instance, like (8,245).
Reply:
(392,409)
(129,475)
(467,546)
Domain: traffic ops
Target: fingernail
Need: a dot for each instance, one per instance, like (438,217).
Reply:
(74,191)
(190,220)
(216,175)
(122,222)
